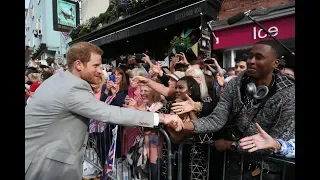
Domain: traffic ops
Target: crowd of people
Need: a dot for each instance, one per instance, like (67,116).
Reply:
(247,109)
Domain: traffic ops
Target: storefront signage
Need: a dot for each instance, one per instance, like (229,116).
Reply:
(65,15)
(187,13)
(115,36)
(160,22)
(281,28)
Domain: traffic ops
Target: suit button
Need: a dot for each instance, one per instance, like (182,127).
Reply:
(84,145)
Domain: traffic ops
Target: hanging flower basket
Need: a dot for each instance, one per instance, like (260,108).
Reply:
(181,44)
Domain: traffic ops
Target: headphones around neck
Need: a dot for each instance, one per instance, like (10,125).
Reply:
(257,92)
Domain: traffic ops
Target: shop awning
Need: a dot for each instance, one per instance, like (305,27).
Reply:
(173,17)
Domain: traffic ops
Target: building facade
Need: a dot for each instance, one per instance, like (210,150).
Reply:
(276,16)
(39,30)
(92,8)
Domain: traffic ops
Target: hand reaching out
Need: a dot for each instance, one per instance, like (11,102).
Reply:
(220,80)
(109,85)
(183,59)
(262,140)
(156,68)
(140,80)
(183,107)
(114,89)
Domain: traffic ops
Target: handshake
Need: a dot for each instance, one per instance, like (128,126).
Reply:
(172,120)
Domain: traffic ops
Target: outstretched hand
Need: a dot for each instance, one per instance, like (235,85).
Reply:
(183,107)
(262,140)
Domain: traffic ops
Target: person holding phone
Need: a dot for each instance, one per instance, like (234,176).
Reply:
(116,87)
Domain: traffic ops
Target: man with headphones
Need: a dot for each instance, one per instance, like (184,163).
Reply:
(260,94)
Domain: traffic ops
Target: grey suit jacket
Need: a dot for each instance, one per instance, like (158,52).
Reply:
(56,126)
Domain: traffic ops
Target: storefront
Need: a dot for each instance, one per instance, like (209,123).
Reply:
(151,27)
(238,39)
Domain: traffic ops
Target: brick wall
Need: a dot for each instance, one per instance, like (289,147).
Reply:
(232,7)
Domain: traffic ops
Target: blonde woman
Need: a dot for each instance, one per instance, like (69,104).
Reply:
(130,133)
(153,141)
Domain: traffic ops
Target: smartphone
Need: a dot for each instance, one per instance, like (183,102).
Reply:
(130,92)
(139,58)
(112,78)
(166,70)
(208,61)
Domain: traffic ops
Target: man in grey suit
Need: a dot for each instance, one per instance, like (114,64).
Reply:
(57,118)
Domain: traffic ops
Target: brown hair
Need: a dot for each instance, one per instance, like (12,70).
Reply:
(124,84)
(180,67)
(81,51)
(211,90)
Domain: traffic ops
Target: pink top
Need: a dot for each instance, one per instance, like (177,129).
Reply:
(153,143)
(130,133)
(97,95)
(136,95)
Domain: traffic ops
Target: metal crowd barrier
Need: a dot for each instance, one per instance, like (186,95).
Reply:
(99,143)
(98,146)
(284,161)
(193,170)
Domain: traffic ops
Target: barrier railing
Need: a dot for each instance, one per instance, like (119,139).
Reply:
(99,143)
(98,146)
(284,161)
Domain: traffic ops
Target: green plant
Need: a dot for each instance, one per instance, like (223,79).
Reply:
(50,60)
(37,52)
(181,44)
(115,9)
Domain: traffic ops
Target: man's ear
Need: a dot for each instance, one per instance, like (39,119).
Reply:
(276,63)
(78,65)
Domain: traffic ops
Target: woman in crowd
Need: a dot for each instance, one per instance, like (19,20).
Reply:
(196,154)
(208,107)
(187,87)
(130,133)
(117,97)
(153,140)
(115,94)
(209,100)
